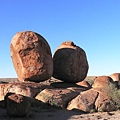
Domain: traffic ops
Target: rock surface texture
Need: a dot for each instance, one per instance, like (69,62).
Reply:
(102,82)
(28,89)
(70,63)
(99,98)
(85,101)
(31,56)
(58,97)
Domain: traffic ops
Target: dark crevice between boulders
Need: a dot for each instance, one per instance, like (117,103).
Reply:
(94,107)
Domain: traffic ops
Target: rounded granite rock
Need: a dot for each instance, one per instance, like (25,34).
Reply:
(31,56)
(70,63)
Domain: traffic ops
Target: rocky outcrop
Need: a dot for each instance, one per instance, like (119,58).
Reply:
(70,63)
(31,56)
(104,96)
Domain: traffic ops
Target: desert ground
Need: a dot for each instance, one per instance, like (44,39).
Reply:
(62,114)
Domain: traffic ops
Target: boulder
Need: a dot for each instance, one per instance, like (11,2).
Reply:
(104,103)
(29,89)
(116,78)
(93,100)
(17,105)
(84,84)
(70,63)
(31,56)
(85,101)
(103,82)
(57,97)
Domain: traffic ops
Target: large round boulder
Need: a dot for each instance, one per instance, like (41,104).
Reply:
(31,56)
(70,63)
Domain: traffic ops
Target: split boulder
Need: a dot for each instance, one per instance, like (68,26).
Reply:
(85,101)
(104,103)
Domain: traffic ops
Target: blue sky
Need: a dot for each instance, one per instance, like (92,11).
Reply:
(94,25)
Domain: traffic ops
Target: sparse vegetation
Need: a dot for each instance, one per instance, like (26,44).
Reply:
(114,94)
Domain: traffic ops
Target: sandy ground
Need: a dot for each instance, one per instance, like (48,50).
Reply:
(61,114)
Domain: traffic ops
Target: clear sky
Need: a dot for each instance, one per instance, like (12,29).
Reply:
(94,25)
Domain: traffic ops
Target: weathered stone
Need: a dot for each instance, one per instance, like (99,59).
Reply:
(108,93)
(85,101)
(17,105)
(57,97)
(29,89)
(70,63)
(31,56)
(104,103)
(84,84)
(102,82)
(116,78)
(104,96)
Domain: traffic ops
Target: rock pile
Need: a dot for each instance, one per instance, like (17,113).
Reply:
(97,98)
(65,95)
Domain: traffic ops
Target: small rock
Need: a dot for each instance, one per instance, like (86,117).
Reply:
(17,105)
(84,84)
